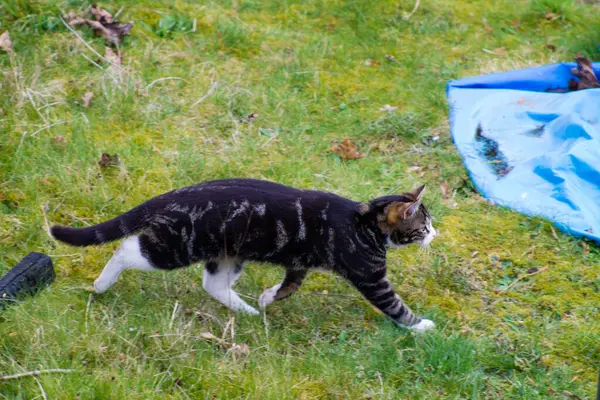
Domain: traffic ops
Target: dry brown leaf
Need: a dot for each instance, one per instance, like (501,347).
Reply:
(550,15)
(487,27)
(551,47)
(571,395)
(347,150)
(101,15)
(122,356)
(586,248)
(500,51)
(388,108)
(209,336)
(114,59)
(554,235)
(585,73)
(111,56)
(5,43)
(87,98)
(104,26)
(446,191)
(106,160)
(240,349)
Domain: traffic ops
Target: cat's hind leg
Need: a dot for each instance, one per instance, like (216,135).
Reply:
(292,281)
(128,256)
(217,281)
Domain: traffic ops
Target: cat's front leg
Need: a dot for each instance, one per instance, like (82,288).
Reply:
(379,291)
(292,281)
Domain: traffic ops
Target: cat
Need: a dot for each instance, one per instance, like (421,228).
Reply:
(227,222)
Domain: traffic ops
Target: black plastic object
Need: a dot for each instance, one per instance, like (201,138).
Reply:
(32,274)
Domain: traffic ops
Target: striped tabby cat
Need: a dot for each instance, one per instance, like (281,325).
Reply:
(228,222)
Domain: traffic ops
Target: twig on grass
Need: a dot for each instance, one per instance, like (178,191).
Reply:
(46,224)
(88,46)
(414,10)
(168,78)
(36,373)
(87,311)
(213,86)
(43,394)
(523,277)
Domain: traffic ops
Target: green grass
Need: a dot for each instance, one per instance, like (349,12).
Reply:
(301,66)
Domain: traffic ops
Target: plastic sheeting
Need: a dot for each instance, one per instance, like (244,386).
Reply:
(531,150)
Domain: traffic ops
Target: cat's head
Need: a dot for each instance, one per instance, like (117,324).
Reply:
(404,219)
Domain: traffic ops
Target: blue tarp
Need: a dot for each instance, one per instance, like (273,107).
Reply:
(531,150)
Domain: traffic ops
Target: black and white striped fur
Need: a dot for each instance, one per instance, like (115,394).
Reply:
(227,222)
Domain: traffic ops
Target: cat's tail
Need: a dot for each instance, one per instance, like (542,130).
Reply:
(124,225)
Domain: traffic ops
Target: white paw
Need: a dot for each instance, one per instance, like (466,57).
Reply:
(423,326)
(268,296)
(100,287)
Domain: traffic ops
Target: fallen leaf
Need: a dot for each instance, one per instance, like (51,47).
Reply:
(114,59)
(102,16)
(104,26)
(347,150)
(370,62)
(240,349)
(106,160)
(446,191)
(122,356)
(414,168)
(59,139)
(550,15)
(388,108)
(571,395)
(209,336)
(5,43)
(585,73)
(487,27)
(586,248)
(532,270)
(87,98)
(521,100)
(553,232)
(551,47)
(500,50)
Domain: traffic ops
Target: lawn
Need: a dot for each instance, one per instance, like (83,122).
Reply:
(178,110)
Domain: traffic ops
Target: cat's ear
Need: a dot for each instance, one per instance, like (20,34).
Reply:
(363,208)
(416,194)
(398,211)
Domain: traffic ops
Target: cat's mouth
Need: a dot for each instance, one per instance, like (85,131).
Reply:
(429,238)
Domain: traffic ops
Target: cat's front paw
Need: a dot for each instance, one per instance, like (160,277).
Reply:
(100,286)
(423,326)
(268,296)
